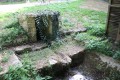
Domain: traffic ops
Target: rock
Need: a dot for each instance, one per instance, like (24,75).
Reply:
(74,51)
(27,21)
(38,46)
(55,64)
(77,29)
(32,47)
(22,49)
(110,61)
(60,63)
(12,61)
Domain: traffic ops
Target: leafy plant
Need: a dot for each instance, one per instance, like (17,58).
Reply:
(93,43)
(26,72)
(1,68)
(117,55)
(5,58)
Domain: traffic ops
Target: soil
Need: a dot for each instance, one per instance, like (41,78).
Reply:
(98,5)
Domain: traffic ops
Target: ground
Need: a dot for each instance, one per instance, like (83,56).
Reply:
(98,5)
(84,14)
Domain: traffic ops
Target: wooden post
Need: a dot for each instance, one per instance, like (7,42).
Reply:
(113,23)
(118,35)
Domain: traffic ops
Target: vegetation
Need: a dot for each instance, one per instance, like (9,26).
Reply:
(26,72)
(1,68)
(37,55)
(94,38)
(94,21)
(5,59)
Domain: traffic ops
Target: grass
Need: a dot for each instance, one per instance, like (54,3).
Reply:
(37,55)
(1,68)
(11,29)
(94,21)
(5,59)
(5,55)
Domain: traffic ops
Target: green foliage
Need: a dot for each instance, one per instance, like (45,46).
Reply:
(5,59)
(114,74)
(5,55)
(94,21)
(67,24)
(26,72)
(36,55)
(9,34)
(93,43)
(1,68)
(117,55)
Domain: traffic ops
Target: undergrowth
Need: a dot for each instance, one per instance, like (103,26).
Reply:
(23,72)
(93,43)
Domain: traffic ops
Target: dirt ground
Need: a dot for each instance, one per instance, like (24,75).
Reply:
(98,5)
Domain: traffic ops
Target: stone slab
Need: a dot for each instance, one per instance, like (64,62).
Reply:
(77,29)
(30,47)
(12,61)
(55,63)
(110,61)
(74,51)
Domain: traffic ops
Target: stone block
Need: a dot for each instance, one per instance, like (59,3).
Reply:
(12,61)
(27,21)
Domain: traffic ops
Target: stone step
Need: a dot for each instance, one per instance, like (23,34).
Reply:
(55,64)
(77,29)
(66,56)
(29,47)
(11,60)
(74,51)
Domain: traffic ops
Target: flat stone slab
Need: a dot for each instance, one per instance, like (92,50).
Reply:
(110,61)
(77,29)
(71,49)
(74,51)
(22,49)
(55,63)
(53,59)
(12,61)
(29,47)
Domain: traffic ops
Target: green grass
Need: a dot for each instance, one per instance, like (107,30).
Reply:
(5,55)
(1,68)
(94,21)
(9,24)
(25,72)
(36,55)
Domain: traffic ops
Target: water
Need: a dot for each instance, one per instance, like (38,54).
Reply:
(78,76)
(75,74)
